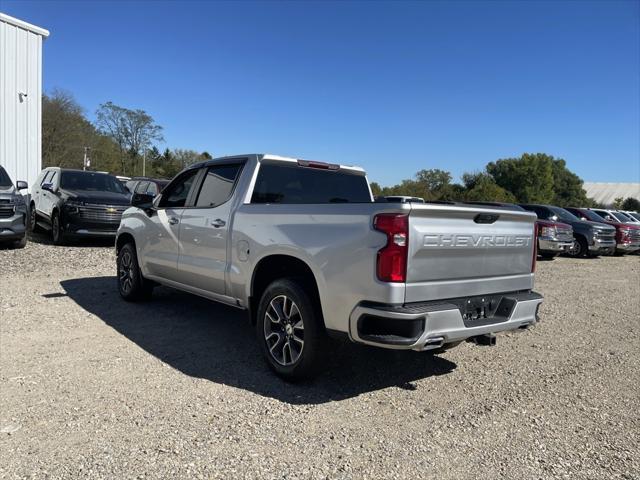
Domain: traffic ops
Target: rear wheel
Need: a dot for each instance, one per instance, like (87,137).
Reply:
(131,284)
(290,331)
(579,248)
(57,230)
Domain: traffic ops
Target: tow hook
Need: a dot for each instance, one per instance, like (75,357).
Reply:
(486,339)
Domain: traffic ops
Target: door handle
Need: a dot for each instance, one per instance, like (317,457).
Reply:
(218,222)
(173,220)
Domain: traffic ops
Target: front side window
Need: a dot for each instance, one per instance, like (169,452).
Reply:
(217,185)
(298,184)
(175,195)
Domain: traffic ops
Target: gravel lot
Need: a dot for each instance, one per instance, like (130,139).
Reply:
(93,387)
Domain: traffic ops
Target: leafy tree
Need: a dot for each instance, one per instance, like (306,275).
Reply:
(376,189)
(529,178)
(567,186)
(481,187)
(132,130)
(617,203)
(631,204)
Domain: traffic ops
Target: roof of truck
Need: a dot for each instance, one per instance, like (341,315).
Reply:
(269,157)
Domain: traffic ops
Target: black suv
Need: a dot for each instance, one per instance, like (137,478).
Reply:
(75,203)
(591,238)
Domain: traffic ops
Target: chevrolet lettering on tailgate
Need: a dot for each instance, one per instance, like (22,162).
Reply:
(466,240)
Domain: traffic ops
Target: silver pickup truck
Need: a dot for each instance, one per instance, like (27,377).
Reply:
(302,246)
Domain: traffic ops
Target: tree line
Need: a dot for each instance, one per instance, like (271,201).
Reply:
(119,141)
(122,139)
(531,178)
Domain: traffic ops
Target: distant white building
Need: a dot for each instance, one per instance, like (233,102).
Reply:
(606,193)
(21,98)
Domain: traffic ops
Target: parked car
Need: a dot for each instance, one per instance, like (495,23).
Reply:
(590,238)
(304,248)
(146,185)
(554,238)
(627,236)
(13,211)
(402,199)
(634,215)
(615,216)
(75,203)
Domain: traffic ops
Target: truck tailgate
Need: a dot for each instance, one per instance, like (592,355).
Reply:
(457,251)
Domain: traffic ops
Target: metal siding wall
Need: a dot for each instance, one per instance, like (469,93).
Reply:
(20,122)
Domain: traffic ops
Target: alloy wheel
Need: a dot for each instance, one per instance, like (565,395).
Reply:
(125,273)
(284,330)
(576,249)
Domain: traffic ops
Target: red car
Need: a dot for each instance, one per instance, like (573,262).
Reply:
(627,236)
(554,238)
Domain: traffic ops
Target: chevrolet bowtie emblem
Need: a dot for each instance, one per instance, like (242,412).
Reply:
(111,210)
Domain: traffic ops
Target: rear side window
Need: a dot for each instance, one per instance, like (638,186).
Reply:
(296,184)
(217,185)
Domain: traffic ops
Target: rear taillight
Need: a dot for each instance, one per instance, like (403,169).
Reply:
(392,259)
(535,249)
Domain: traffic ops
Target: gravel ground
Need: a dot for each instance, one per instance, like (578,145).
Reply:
(93,387)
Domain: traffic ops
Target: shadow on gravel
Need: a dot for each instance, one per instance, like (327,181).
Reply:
(44,238)
(212,341)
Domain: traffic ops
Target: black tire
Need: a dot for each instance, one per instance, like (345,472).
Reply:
(132,285)
(20,243)
(57,230)
(33,219)
(580,248)
(304,359)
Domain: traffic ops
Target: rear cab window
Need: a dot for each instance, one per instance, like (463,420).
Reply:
(296,184)
(218,184)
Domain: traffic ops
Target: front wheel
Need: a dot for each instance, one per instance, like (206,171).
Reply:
(131,284)
(290,330)
(57,230)
(579,248)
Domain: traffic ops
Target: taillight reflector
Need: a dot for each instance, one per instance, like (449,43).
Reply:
(392,259)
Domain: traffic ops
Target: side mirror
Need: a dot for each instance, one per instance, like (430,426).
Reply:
(609,217)
(21,185)
(48,187)
(554,218)
(142,200)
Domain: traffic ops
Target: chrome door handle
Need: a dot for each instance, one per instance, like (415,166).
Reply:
(218,222)
(173,220)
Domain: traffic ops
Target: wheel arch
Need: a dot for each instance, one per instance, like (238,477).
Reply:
(276,266)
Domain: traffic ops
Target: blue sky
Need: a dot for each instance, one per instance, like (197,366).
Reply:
(394,87)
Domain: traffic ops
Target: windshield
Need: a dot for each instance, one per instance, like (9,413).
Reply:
(5,181)
(564,214)
(97,182)
(634,215)
(593,216)
(622,217)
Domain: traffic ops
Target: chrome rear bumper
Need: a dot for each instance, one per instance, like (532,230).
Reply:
(429,326)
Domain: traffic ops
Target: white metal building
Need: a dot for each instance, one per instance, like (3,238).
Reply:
(21,98)
(606,193)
